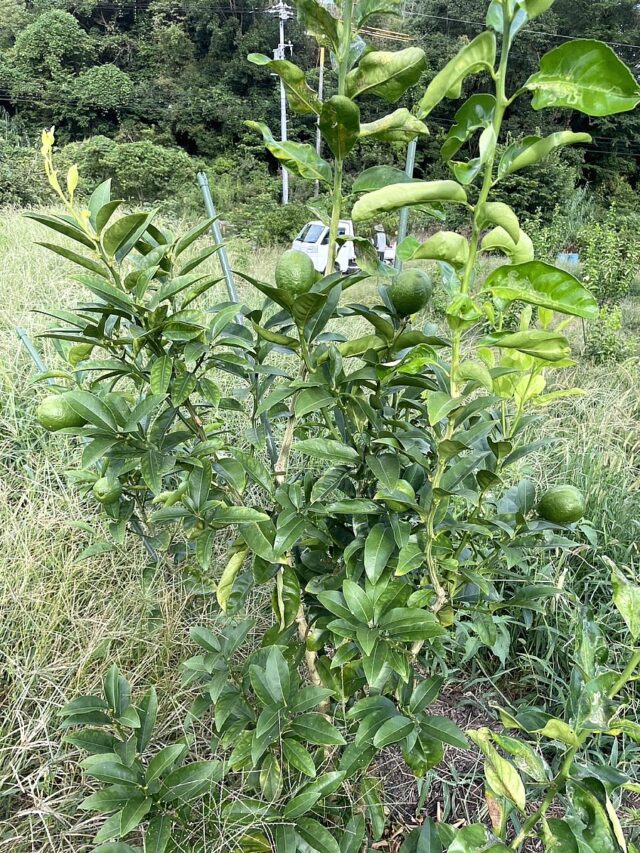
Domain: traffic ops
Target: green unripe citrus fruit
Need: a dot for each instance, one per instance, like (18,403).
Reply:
(295,273)
(107,490)
(410,292)
(405,488)
(562,505)
(55,413)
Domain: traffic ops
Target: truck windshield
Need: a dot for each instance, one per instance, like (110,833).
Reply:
(311,233)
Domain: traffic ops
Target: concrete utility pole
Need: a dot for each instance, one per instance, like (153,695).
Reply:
(284,13)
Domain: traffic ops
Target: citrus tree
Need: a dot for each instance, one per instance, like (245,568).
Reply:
(393,528)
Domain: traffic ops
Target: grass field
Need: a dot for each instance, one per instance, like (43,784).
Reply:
(65,612)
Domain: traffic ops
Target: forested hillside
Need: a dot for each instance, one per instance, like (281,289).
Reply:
(149,90)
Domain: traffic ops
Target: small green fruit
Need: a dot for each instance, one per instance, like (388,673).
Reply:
(295,273)
(55,413)
(562,505)
(106,490)
(410,292)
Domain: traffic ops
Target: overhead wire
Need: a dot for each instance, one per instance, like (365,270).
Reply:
(373,32)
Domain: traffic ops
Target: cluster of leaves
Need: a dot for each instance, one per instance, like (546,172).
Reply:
(406,515)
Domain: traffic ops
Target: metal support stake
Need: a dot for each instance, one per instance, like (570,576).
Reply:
(404,213)
(203,182)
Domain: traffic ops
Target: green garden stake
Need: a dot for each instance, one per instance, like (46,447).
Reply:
(27,343)
(404,213)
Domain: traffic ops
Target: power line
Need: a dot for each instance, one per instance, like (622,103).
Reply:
(144,5)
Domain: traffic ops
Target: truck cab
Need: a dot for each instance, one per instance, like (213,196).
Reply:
(313,240)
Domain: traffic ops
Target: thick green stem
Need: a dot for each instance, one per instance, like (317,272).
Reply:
(336,210)
(465,283)
(338,163)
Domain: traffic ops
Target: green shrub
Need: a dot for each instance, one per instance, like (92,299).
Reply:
(21,180)
(140,171)
(609,256)
(606,341)
(54,41)
(104,88)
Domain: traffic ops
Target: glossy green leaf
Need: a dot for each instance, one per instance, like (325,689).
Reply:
(533,149)
(298,157)
(378,547)
(328,449)
(398,126)
(387,74)
(191,781)
(319,22)
(134,813)
(316,729)
(393,731)
(358,602)
(408,625)
(163,761)
(538,283)
(301,97)
(297,757)
(475,114)
(378,177)
(340,124)
(316,836)
(498,240)
(584,75)
(444,246)
(444,729)
(406,195)
(478,55)
(500,214)
(549,346)
(120,238)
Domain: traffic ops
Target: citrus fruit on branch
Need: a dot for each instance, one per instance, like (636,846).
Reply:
(562,505)
(106,490)
(295,273)
(410,292)
(55,413)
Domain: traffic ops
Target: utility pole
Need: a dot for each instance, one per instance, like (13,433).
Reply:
(320,96)
(284,13)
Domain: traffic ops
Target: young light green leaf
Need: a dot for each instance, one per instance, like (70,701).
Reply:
(444,246)
(387,74)
(584,75)
(398,126)
(533,149)
(478,55)
(395,196)
(498,240)
(301,97)
(340,124)
(300,158)
(538,283)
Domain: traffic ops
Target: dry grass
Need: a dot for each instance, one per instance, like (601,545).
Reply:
(64,615)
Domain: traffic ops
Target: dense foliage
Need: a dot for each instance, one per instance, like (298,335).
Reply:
(402,539)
